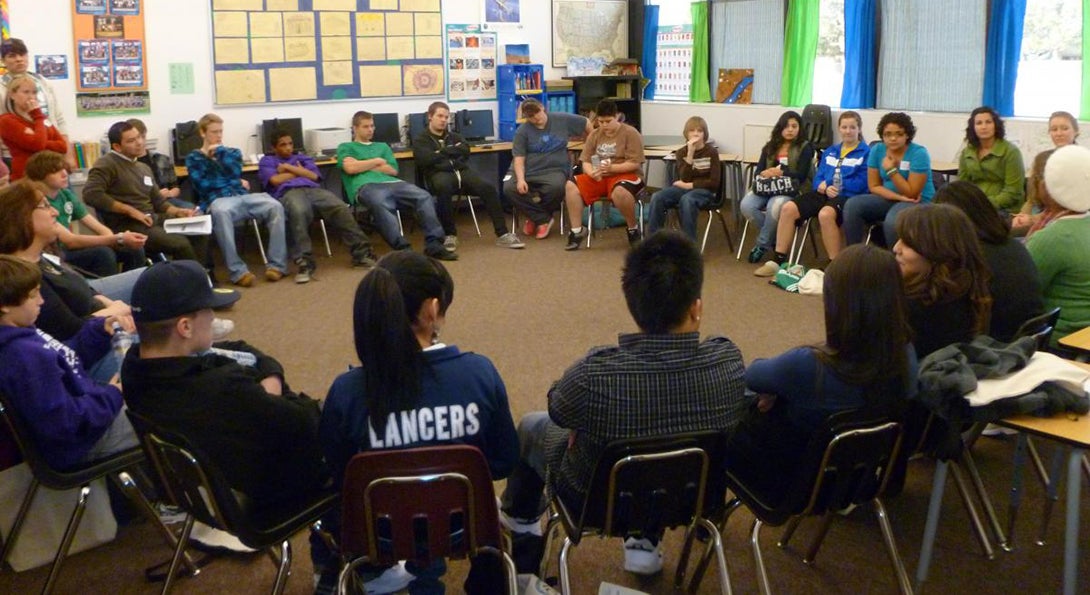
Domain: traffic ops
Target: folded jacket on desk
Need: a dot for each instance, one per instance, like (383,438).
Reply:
(1042,367)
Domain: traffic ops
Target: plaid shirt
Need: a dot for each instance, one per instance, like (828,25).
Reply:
(215,178)
(648,385)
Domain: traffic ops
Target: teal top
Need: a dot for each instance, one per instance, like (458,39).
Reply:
(68,206)
(1058,251)
(364,151)
(1001,174)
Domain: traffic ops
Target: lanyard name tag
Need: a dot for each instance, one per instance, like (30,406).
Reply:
(147,180)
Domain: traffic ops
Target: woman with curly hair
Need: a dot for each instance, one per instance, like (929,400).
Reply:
(945,275)
(991,163)
(899,177)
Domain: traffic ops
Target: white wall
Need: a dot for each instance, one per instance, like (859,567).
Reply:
(942,133)
(180,31)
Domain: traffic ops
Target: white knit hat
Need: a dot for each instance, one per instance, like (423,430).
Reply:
(1067,177)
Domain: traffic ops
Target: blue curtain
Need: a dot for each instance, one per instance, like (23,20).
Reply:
(650,47)
(1003,53)
(860,55)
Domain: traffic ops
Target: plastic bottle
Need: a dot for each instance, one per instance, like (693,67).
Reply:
(838,182)
(120,341)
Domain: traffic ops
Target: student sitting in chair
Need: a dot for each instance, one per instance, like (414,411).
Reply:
(442,156)
(370,178)
(698,172)
(216,173)
(292,178)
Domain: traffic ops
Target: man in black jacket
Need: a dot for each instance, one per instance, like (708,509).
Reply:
(441,157)
(230,401)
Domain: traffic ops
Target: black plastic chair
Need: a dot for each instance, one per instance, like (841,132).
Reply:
(817,123)
(196,485)
(59,479)
(1040,327)
(643,486)
(848,462)
(419,504)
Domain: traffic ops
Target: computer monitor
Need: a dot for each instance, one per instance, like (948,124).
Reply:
(474,124)
(387,129)
(418,123)
(293,126)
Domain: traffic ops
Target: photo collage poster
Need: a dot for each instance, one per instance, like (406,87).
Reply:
(111,69)
(471,63)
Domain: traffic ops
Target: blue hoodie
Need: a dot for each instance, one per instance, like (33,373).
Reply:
(45,381)
(853,170)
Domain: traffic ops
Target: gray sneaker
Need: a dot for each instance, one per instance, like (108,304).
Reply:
(304,270)
(509,240)
(451,243)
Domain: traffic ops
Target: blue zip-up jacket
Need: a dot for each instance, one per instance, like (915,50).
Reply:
(853,170)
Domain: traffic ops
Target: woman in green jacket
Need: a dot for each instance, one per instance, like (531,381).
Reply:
(991,163)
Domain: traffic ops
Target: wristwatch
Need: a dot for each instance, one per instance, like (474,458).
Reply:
(121,239)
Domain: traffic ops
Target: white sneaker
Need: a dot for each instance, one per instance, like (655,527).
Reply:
(768,269)
(640,557)
(509,240)
(392,580)
(451,243)
(994,430)
(520,525)
(221,327)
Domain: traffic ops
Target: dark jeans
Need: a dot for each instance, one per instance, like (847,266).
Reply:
(383,200)
(300,205)
(445,185)
(546,194)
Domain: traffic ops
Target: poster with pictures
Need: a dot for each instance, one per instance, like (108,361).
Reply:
(471,63)
(110,60)
(53,66)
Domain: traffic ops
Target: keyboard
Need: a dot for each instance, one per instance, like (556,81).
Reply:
(480,142)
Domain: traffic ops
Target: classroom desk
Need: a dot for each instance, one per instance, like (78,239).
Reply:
(1078,340)
(949,168)
(1069,430)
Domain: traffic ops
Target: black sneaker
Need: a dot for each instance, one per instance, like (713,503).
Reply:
(634,237)
(441,253)
(364,259)
(304,270)
(574,239)
(756,254)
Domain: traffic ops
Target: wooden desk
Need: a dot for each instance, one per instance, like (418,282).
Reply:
(1078,340)
(1069,430)
(949,168)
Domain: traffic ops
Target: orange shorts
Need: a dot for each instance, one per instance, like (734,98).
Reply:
(592,190)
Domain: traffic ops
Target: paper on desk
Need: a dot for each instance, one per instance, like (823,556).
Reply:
(201,225)
(1042,367)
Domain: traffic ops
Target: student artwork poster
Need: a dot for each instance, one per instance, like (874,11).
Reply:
(471,63)
(52,66)
(125,7)
(91,6)
(108,36)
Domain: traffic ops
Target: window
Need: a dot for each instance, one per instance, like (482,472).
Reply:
(674,54)
(749,35)
(829,64)
(1050,70)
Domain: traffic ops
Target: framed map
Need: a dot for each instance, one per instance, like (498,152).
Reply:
(583,28)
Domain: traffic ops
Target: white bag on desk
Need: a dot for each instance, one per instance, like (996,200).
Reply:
(48,518)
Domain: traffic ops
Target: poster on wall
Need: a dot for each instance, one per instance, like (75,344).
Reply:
(501,14)
(52,66)
(111,62)
(583,29)
(5,26)
(471,63)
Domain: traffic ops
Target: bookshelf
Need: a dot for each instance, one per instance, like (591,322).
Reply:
(623,89)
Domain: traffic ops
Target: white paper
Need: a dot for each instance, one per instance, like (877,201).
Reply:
(201,225)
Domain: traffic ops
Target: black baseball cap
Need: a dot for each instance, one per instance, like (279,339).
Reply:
(170,289)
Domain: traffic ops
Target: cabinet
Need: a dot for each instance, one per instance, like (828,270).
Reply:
(514,84)
(623,89)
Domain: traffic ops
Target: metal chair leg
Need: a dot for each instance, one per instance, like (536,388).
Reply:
(325,236)
(742,241)
(891,547)
(721,558)
(130,489)
(755,541)
(934,508)
(183,540)
(705,559)
(970,508)
(789,530)
(473,214)
(1019,461)
(985,499)
(1052,493)
(260,244)
(66,541)
(565,577)
(20,517)
(283,570)
(552,529)
(820,537)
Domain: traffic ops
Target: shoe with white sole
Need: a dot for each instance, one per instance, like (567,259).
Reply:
(768,269)
(392,580)
(641,557)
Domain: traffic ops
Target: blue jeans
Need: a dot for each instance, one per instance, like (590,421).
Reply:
(228,211)
(383,200)
(688,204)
(867,209)
(117,287)
(764,212)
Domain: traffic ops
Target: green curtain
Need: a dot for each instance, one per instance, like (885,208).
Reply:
(799,52)
(1084,100)
(699,90)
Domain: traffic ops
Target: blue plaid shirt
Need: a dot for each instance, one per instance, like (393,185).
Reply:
(216,177)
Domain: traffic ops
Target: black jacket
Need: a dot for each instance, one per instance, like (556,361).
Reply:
(433,154)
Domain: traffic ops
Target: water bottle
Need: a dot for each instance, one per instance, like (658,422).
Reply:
(595,161)
(120,341)
(838,182)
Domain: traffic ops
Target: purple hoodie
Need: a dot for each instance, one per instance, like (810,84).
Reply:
(45,382)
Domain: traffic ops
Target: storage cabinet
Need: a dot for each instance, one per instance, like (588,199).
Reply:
(514,84)
(623,89)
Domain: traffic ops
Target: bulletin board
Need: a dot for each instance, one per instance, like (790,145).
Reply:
(270,51)
(111,66)
(471,63)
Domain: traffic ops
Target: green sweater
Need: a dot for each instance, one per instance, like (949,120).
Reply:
(1059,251)
(364,151)
(1001,174)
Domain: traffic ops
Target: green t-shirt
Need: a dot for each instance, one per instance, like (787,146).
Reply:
(68,206)
(363,151)
(1059,252)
